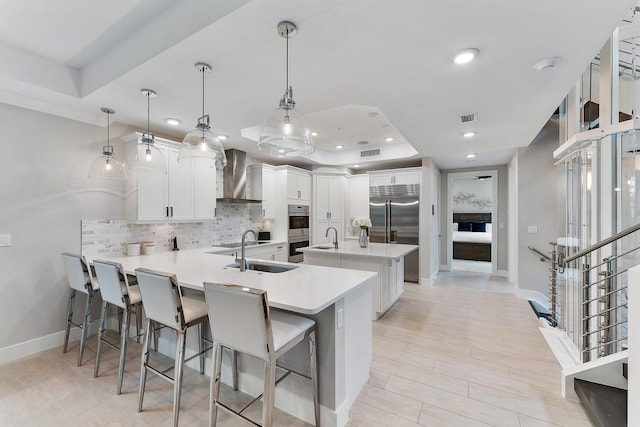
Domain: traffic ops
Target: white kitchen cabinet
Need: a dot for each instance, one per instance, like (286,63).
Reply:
(263,187)
(359,196)
(395,177)
(186,193)
(263,252)
(328,206)
(298,185)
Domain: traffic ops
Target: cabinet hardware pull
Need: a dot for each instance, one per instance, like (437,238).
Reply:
(299,195)
(172,211)
(263,212)
(167,215)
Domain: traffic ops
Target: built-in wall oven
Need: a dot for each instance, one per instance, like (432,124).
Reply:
(298,231)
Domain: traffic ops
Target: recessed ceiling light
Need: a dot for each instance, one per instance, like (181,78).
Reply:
(172,122)
(468,134)
(280,155)
(280,150)
(547,64)
(356,166)
(314,133)
(339,146)
(465,56)
(471,156)
(389,139)
(223,137)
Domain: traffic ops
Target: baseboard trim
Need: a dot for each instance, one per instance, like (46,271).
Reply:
(501,273)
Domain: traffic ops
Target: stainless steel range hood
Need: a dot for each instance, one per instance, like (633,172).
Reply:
(235,178)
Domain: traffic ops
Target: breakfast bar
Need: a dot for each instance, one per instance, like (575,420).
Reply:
(338,300)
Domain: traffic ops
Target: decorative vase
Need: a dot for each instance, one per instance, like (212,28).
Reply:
(363,240)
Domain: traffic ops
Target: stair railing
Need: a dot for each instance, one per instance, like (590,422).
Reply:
(603,303)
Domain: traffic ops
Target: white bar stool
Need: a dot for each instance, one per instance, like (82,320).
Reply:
(80,279)
(165,305)
(116,290)
(241,320)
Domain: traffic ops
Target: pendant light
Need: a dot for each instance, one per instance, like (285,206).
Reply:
(201,142)
(107,166)
(149,158)
(285,132)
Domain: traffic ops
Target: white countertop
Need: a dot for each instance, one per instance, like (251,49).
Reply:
(352,247)
(307,289)
(218,249)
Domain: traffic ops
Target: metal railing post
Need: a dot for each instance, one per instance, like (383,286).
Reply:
(586,290)
(554,282)
(609,303)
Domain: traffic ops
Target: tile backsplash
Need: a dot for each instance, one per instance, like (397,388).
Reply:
(108,238)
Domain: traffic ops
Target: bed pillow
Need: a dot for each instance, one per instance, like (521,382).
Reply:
(464,226)
(478,227)
(455,226)
(488,227)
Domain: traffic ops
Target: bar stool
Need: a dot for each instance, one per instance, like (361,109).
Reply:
(80,279)
(240,319)
(165,305)
(116,290)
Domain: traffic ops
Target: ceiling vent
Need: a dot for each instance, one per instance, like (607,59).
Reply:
(467,118)
(369,153)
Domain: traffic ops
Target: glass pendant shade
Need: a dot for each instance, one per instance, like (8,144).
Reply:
(286,133)
(149,158)
(107,167)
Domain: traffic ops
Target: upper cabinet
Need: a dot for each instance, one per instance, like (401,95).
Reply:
(263,187)
(328,206)
(395,177)
(298,184)
(185,193)
(359,196)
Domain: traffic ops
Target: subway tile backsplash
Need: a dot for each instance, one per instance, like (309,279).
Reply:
(108,238)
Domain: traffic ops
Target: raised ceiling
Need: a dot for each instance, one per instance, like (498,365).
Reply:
(72,57)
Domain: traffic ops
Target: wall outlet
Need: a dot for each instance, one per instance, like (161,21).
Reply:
(532,229)
(5,240)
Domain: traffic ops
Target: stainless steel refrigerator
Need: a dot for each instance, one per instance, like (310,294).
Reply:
(395,218)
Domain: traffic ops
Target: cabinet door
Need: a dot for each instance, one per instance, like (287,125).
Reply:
(304,186)
(204,190)
(321,198)
(292,185)
(268,193)
(334,197)
(380,179)
(180,188)
(280,253)
(359,196)
(411,177)
(153,199)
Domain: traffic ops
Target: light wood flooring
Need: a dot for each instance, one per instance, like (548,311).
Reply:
(463,352)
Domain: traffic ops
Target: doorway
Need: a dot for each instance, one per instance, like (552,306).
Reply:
(471,237)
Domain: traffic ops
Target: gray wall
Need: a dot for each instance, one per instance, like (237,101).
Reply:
(45,160)
(502,211)
(537,206)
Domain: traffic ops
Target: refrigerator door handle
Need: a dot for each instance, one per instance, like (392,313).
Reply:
(388,221)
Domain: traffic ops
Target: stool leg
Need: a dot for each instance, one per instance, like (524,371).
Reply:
(103,328)
(138,322)
(234,368)
(314,375)
(123,346)
(145,360)
(85,326)
(67,329)
(216,368)
(177,382)
(269,393)
(201,345)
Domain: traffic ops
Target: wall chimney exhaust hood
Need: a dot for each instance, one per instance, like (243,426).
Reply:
(235,178)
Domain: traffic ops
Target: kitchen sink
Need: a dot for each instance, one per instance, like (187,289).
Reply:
(265,267)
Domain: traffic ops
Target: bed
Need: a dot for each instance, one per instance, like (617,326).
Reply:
(472,236)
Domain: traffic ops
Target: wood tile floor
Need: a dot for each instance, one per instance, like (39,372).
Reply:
(463,352)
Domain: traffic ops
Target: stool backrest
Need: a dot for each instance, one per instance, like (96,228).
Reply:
(78,273)
(161,297)
(114,286)
(240,319)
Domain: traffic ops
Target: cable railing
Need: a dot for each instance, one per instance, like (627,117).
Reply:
(589,294)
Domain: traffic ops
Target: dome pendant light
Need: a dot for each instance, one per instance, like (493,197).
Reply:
(107,166)
(201,142)
(149,157)
(285,132)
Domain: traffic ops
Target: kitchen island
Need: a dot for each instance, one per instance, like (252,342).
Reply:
(338,300)
(385,259)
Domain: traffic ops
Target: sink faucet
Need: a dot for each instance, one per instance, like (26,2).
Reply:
(335,241)
(242,261)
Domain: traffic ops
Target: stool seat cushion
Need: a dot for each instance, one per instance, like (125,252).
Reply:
(193,309)
(134,294)
(287,326)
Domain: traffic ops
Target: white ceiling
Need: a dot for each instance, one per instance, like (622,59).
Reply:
(349,58)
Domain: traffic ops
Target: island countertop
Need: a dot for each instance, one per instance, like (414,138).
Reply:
(307,289)
(352,247)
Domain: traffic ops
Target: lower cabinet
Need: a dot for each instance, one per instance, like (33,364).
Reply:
(267,253)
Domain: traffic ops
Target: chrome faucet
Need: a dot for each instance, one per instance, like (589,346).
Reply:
(243,260)
(335,241)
